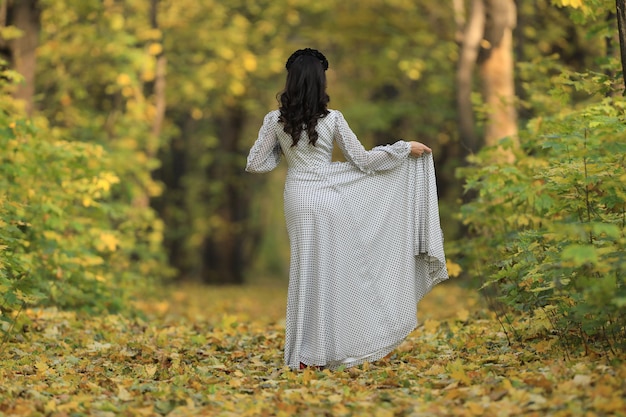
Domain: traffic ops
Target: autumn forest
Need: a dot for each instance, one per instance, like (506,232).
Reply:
(144,272)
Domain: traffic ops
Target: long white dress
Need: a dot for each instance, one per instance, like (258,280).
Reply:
(365,238)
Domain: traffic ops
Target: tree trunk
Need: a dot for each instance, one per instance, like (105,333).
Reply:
(496,72)
(5,52)
(21,52)
(159,81)
(621,25)
(175,166)
(156,91)
(472,34)
(224,251)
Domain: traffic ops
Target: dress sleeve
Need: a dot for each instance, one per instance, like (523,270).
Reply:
(265,154)
(380,158)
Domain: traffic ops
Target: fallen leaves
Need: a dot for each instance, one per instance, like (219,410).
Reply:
(207,351)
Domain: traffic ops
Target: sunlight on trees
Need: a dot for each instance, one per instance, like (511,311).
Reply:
(124,127)
(125,134)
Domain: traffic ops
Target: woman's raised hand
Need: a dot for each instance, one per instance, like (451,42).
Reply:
(417,148)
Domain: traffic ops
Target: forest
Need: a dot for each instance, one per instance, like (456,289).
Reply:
(144,272)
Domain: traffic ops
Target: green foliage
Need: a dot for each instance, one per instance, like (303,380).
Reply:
(225,66)
(551,227)
(64,240)
(98,88)
(583,11)
(95,78)
(50,194)
(75,229)
(97,66)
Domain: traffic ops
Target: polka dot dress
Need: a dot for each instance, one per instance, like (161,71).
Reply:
(366,242)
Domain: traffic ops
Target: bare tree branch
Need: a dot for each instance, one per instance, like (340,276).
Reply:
(472,36)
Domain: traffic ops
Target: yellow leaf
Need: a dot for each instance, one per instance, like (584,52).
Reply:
(340,410)
(249,62)
(155,49)
(610,405)
(108,241)
(225,52)
(123,394)
(383,412)
(293,17)
(117,22)
(454,269)
(10,32)
(106,180)
(150,370)
(544,346)
(148,75)
(435,370)
(431,326)
(42,367)
(50,406)
(309,375)
(65,100)
(235,382)
(456,370)
(236,88)
(507,385)
(50,235)
(229,321)
(573,3)
(463,314)
(69,406)
(128,91)
(196,114)
(123,79)
(475,409)
(335,398)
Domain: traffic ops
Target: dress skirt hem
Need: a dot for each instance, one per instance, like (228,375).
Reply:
(360,262)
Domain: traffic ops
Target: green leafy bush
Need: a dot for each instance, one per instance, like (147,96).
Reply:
(71,235)
(548,230)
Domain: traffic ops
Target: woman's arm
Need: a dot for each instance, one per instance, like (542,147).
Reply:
(378,159)
(264,155)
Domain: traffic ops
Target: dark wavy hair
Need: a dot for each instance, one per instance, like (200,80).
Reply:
(304,100)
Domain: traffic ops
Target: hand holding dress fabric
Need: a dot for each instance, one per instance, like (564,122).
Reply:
(418,148)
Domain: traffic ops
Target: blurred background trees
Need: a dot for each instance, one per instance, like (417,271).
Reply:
(125,124)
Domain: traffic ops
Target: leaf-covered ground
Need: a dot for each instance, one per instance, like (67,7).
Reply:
(218,351)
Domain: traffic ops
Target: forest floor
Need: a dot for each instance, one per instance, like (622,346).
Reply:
(200,351)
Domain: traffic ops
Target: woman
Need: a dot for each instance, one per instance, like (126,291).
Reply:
(365,239)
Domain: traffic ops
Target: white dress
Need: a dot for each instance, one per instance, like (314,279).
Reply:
(365,238)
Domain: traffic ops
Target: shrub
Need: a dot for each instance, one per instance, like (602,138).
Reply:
(550,227)
(69,237)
